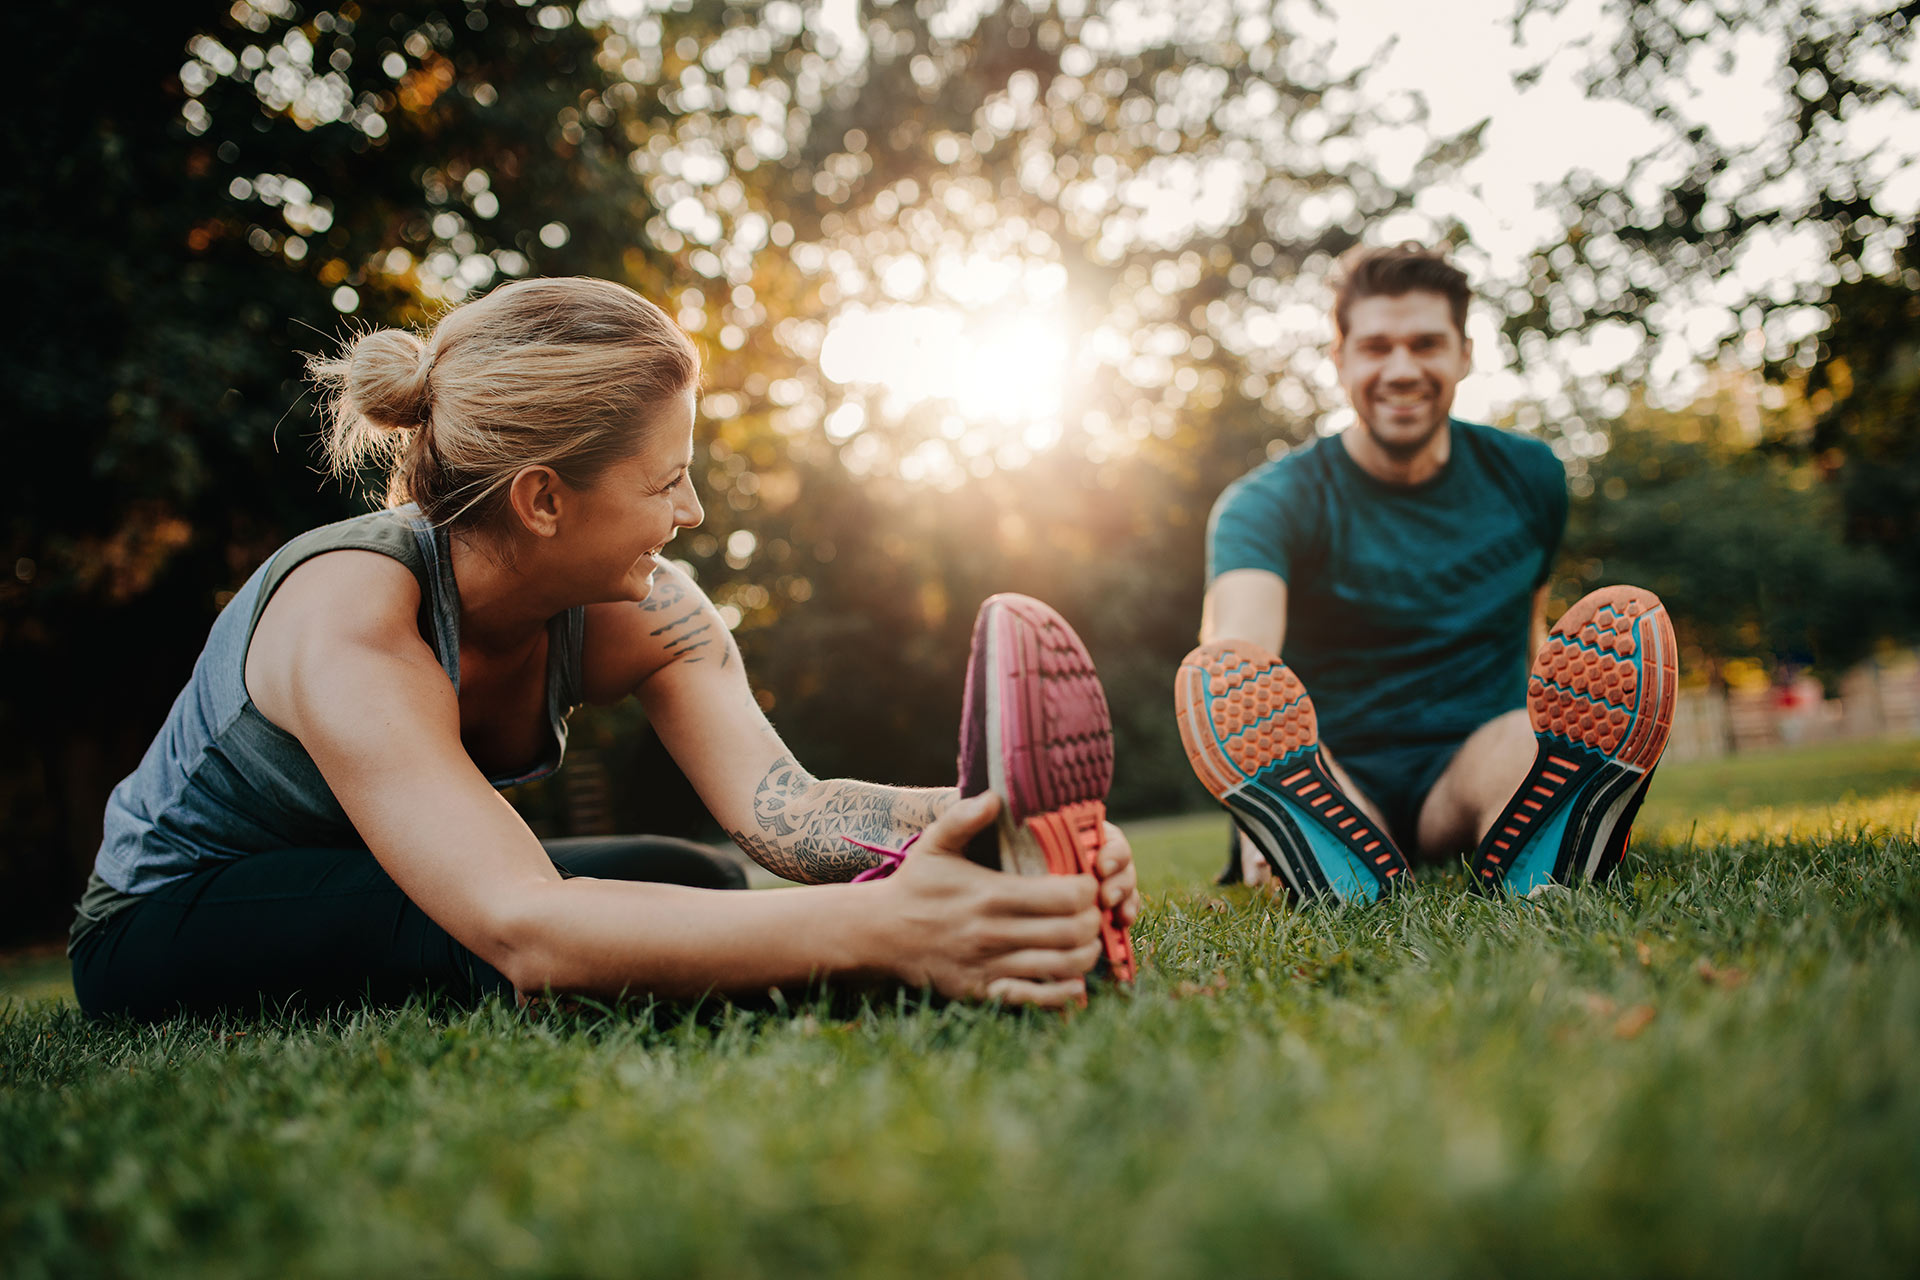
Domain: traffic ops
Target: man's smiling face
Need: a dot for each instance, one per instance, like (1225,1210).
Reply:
(1399,361)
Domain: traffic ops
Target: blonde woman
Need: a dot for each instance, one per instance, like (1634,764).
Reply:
(318,820)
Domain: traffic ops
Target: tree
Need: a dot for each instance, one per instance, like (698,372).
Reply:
(228,184)
(1785,249)
(1803,190)
(1175,190)
(1743,542)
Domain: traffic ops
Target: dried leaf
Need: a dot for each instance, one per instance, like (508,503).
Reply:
(1729,977)
(1212,987)
(1633,1021)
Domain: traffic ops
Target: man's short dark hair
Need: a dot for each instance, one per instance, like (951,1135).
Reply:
(1394,271)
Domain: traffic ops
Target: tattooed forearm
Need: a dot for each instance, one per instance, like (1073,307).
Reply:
(801,822)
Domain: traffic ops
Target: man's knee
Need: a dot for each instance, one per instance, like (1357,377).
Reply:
(1478,780)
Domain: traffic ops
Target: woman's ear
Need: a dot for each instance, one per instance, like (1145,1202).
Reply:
(536,495)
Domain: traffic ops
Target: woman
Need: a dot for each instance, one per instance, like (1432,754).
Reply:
(318,819)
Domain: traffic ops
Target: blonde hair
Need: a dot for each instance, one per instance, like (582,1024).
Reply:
(566,373)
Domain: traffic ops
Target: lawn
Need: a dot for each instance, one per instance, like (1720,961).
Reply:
(1710,1066)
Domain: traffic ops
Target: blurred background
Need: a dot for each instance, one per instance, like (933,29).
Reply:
(994,296)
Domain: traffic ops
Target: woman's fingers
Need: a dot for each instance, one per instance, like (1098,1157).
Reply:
(1116,853)
(1045,964)
(1057,933)
(1119,877)
(1041,895)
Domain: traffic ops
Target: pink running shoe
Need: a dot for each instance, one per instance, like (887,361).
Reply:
(1034,728)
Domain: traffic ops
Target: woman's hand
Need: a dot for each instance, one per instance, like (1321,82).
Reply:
(1119,889)
(987,935)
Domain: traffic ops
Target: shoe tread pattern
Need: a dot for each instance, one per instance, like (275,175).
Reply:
(1600,699)
(1606,678)
(1245,719)
(1061,752)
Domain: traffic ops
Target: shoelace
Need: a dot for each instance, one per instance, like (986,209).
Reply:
(890,859)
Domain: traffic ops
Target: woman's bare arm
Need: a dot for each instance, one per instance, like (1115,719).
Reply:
(801,823)
(337,661)
(675,651)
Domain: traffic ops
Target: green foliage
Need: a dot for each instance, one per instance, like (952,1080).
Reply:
(1782,247)
(1699,202)
(1746,547)
(202,217)
(1710,1066)
(1864,391)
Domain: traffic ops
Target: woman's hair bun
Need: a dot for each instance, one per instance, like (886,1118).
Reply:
(388,379)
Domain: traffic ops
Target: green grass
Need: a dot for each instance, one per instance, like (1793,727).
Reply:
(1809,776)
(1710,1066)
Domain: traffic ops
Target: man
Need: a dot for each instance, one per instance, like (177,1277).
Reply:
(1400,568)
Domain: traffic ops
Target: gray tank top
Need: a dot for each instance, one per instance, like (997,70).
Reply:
(220,781)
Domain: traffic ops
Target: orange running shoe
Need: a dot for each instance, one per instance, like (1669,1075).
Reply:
(1252,737)
(1601,700)
(1034,728)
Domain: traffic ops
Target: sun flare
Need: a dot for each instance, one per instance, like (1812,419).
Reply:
(1005,373)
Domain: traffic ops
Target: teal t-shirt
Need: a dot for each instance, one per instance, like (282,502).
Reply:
(1407,606)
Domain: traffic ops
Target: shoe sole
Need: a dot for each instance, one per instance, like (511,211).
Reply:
(1050,756)
(1252,738)
(1601,699)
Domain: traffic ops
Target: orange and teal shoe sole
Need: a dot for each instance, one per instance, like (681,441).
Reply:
(1036,729)
(1601,699)
(1253,740)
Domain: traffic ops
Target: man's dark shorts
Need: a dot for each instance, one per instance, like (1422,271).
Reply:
(1398,779)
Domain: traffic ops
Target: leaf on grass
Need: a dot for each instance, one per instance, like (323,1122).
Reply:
(1729,977)
(1632,1022)
(1212,987)
(1645,952)
(1598,1005)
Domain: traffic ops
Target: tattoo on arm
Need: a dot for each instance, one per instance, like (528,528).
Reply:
(801,820)
(687,630)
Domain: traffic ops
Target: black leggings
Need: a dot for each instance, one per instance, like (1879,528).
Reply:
(320,928)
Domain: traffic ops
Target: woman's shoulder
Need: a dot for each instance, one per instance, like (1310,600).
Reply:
(371,561)
(398,533)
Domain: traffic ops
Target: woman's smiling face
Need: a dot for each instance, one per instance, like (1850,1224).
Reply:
(623,521)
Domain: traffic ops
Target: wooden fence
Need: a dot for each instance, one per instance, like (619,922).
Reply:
(1877,699)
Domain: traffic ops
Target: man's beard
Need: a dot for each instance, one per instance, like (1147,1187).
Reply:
(1401,450)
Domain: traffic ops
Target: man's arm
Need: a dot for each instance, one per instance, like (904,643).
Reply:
(1246,604)
(1537,629)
